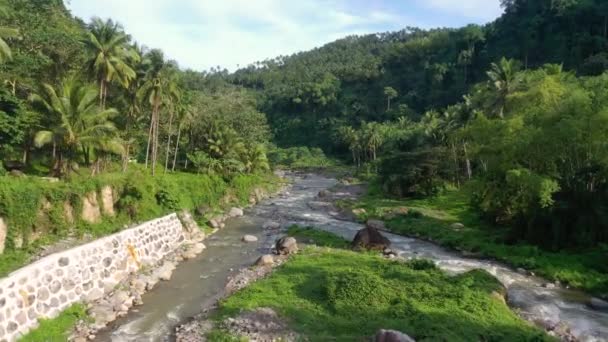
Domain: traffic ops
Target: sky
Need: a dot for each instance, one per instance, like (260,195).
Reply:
(200,34)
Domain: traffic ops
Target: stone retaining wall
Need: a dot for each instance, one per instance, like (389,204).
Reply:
(85,273)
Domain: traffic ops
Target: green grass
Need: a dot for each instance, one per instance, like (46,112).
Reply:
(59,328)
(431,219)
(317,237)
(140,198)
(338,295)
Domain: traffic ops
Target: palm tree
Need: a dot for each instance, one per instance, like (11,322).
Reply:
(110,55)
(174,103)
(157,89)
(390,94)
(503,81)
(6,33)
(184,118)
(81,124)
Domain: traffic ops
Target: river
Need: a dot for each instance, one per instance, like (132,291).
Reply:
(198,283)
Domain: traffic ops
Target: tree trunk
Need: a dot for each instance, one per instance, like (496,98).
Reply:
(168,141)
(456,173)
(388,103)
(155,138)
(150,137)
(179,133)
(125,160)
(102,85)
(468,161)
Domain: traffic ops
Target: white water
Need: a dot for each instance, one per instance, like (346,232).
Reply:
(525,293)
(197,283)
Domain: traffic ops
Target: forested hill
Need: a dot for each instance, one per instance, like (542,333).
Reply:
(309,94)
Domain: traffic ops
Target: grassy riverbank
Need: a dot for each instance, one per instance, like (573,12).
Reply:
(335,294)
(59,328)
(34,209)
(432,218)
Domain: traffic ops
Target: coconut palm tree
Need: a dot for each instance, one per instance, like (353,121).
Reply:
(503,81)
(157,89)
(184,119)
(81,125)
(6,33)
(110,55)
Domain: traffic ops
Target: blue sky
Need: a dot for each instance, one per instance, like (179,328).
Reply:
(200,34)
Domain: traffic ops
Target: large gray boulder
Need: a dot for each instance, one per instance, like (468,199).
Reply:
(286,245)
(370,237)
(391,336)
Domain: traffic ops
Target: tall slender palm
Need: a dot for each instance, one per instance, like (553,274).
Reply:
(184,119)
(110,55)
(503,81)
(156,89)
(81,125)
(6,33)
(174,103)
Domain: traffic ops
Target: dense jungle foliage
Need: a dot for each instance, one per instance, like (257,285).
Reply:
(515,112)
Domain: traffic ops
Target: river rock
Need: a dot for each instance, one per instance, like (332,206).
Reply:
(598,304)
(119,299)
(375,224)
(265,260)
(94,295)
(271,225)
(286,245)
(359,211)
(392,336)
(102,315)
(236,212)
(165,271)
(324,193)
(317,205)
(457,226)
(249,238)
(370,238)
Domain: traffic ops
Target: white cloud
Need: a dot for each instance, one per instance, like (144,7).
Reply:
(485,10)
(200,34)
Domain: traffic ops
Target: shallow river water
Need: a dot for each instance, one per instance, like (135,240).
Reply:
(199,282)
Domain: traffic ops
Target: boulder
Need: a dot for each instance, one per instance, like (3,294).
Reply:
(271,225)
(324,193)
(598,304)
(265,260)
(102,314)
(392,336)
(165,271)
(375,224)
(370,238)
(359,211)
(94,295)
(216,222)
(249,238)
(286,245)
(236,212)
(457,226)
(17,173)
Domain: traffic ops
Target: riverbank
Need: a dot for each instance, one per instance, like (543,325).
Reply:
(448,220)
(118,294)
(41,216)
(327,292)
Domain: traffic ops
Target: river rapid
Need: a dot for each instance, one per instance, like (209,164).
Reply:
(198,283)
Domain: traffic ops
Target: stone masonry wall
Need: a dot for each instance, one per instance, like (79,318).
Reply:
(85,273)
